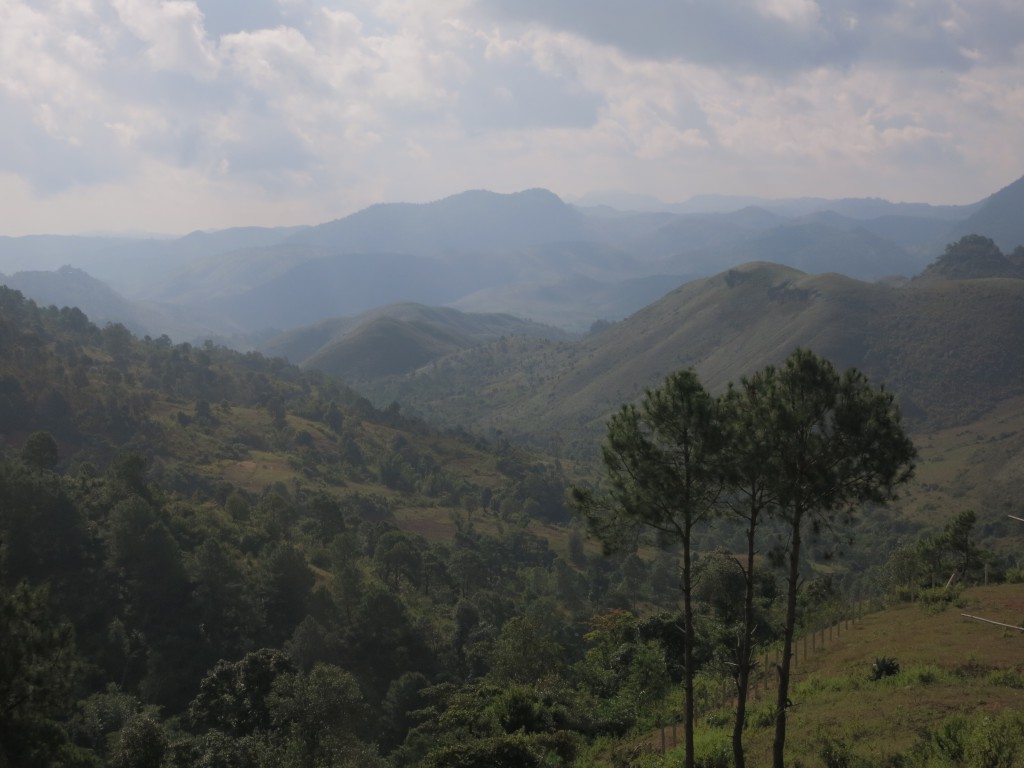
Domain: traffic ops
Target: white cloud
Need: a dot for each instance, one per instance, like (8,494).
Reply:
(303,110)
(797,12)
(173,33)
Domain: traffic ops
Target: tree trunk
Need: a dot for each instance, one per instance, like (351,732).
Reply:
(793,583)
(745,646)
(689,636)
(742,684)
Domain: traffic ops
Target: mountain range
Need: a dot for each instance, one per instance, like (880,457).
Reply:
(527,254)
(523,317)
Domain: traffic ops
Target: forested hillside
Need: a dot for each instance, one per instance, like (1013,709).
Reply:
(213,558)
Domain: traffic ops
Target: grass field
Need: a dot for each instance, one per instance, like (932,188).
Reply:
(950,666)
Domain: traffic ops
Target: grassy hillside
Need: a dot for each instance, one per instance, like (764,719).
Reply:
(951,668)
(977,466)
(950,350)
(396,338)
(956,674)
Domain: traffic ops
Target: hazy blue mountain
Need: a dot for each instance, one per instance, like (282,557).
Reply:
(528,254)
(70,287)
(819,247)
(820,242)
(868,208)
(695,232)
(853,207)
(574,303)
(342,285)
(137,268)
(917,234)
(50,252)
(476,221)
(1000,217)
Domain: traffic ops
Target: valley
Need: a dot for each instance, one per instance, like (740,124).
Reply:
(319,465)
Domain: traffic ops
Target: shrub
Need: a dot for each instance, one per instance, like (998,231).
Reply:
(1015,575)
(926,675)
(835,753)
(1009,678)
(712,749)
(884,666)
(996,741)
(762,716)
(939,598)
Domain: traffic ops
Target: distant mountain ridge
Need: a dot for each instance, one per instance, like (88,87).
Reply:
(474,221)
(529,254)
(853,207)
(1000,217)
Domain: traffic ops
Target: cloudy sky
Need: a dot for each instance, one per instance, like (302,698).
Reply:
(175,115)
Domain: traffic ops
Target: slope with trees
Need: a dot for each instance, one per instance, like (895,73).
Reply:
(226,560)
(805,445)
(949,348)
(234,560)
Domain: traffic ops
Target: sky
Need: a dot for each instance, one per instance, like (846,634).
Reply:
(176,115)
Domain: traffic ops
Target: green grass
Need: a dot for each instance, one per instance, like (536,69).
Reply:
(951,667)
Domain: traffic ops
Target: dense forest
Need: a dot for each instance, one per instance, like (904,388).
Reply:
(215,559)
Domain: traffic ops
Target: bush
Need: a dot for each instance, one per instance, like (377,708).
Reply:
(981,741)
(884,666)
(712,749)
(762,716)
(927,674)
(1008,678)
(938,599)
(835,753)
(996,741)
(1015,575)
